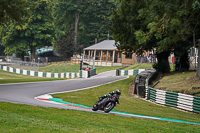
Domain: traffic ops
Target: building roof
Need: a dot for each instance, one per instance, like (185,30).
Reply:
(104,45)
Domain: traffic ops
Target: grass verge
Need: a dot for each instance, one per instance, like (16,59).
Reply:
(145,66)
(16,118)
(140,66)
(128,103)
(7,77)
(61,67)
(185,82)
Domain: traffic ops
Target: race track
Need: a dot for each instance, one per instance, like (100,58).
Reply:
(27,93)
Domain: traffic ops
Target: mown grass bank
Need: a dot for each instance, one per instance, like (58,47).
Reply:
(146,66)
(7,77)
(140,66)
(128,103)
(61,67)
(17,118)
(184,82)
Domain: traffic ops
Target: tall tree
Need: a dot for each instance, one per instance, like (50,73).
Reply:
(38,30)
(196,7)
(88,18)
(165,25)
(13,10)
(97,21)
(64,44)
(69,13)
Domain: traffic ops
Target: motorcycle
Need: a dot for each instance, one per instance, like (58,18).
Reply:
(107,104)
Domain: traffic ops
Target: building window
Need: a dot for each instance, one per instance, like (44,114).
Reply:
(120,54)
(128,56)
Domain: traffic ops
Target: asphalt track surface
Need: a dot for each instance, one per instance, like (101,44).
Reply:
(27,93)
(24,93)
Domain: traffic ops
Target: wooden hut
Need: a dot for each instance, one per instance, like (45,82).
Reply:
(106,53)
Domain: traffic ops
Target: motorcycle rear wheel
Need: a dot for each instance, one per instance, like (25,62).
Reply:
(109,107)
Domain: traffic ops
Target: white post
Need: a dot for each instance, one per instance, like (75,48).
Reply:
(113,59)
(94,53)
(101,57)
(83,54)
(106,57)
(93,63)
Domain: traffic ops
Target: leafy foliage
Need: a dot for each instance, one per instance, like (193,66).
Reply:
(13,10)
(93,19)
(38,30)
(64,44)
(167,26)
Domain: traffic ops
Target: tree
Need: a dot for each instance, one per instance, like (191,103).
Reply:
(68,15)
(38,30)
(125,23)
(198,66)
(196,6)
(64,45)
(13,10)
(88,18)
(165,25)
(97,21)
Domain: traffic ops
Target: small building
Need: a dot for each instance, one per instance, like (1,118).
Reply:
(107,54)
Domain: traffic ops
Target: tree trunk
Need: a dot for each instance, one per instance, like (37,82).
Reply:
(76,29)
(33,49)
(163,62)
(198,60)
(183,65)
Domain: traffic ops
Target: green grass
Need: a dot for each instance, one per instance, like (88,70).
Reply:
(128,103)
(7,77)
(180,82)
(140,66)
(16,118)
(106,68)
(145,66)
(61,67)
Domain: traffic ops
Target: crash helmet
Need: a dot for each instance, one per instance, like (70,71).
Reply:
(118,91)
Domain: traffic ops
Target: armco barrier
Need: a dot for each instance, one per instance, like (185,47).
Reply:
(81,74)
(172,99)
(141,81)
(92,72)
(128,72)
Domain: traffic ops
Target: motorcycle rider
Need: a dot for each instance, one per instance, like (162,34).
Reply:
(116,94)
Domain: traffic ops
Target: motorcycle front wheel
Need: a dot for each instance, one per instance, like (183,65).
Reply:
(95,107)
(109,107)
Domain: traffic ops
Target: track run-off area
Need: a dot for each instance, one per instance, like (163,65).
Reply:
(39,94)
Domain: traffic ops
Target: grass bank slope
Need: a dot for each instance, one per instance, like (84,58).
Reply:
(185,82)
(7,77)
(128,103)
(17,118)
(61,67)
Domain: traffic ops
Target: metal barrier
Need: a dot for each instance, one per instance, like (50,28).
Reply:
(141,81)
(91,72)
(172,99)
(146,59)
(80,74)
(120,72)
(25,65)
